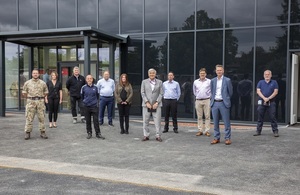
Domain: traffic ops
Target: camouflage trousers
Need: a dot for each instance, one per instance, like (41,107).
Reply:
(35,107)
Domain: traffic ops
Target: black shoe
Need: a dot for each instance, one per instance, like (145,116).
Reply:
(165,131)
(89,136)
(276,134)
(257,134)
(122,132)
(100,123)
(100,136)
(111,125)
(126,132)
(175,131)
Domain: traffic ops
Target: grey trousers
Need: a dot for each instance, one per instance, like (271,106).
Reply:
(156,118)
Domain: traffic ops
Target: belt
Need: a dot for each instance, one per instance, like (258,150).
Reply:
(203,99)
(107,96)
(170,99)
(218,100)
(35,98)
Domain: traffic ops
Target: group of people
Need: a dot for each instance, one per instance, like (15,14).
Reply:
(211,96)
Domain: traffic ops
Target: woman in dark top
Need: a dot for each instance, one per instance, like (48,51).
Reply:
(54,98)
(123,95)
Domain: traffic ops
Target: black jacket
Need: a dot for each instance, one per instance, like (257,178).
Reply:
(74,85)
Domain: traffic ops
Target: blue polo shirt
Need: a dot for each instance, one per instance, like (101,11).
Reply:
(89,95)
(267,88)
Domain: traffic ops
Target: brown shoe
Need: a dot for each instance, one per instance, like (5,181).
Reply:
(199,133)
(43,135)
(215,141)
(207,134)
(145,139)
(27,136)
(227,142)
(159,139)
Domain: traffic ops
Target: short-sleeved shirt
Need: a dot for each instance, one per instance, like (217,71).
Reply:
(267,89)
(35,88)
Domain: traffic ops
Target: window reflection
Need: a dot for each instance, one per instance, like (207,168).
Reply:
(272,12)
(182,64)
(8,15)
(87,13)
(27,15)
(156,15)
(67,53)
(47,14)
(209,51)
(182,15)
(239,67)
(135,72)
(109,15)
(156,54)
(131,16)
(239,13)
(295,37)
(210,14)
(66,13)
(271,54)
(295,9)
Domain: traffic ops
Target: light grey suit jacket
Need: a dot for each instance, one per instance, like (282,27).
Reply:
(149,95)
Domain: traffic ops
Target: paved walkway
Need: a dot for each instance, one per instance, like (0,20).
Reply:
(182,162)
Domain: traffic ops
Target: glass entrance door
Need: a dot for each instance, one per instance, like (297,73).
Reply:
(65,70)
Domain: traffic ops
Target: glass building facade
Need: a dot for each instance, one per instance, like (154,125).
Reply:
(247,37)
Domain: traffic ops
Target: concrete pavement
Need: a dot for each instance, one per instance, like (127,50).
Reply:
(181,163)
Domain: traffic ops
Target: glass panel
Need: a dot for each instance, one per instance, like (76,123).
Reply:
(271,54)
(156,15)
(103,59)
(47,18)
(87,13)
(209,51)
(272,12)
(295,37)
(239,67)
(295,11)
(47,61)
(239,13)
(12,80)
(117,63)
(109,16)
(135,72)
(186,19)
(66,13)
(210,14)
(182,64)
(156,55)
(27,15)
(93,52)
(67,53)
(8,15)
(131,16)
(23,69)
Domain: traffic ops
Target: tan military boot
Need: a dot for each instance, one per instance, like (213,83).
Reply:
(43,135)
(27,136)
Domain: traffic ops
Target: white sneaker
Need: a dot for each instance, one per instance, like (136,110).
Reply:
(74,121)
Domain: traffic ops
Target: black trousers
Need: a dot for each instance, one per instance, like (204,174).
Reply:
(245,107)
(89,113)
(124,114)
(73,106)
(170,106)
(53,105)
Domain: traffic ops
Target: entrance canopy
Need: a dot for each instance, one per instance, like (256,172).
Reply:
(55,37)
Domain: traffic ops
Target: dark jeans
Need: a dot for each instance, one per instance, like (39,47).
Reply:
(73,106)
(89,113)
(124,114)
(109,102)
(53,105)
(245,107)
(261,110)
(170,106)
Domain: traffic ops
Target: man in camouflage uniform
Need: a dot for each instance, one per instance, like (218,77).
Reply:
(36,91)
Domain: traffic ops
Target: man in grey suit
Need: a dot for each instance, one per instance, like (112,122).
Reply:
(221,92)
(152,92)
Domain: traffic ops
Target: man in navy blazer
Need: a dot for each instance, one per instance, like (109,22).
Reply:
(221,91)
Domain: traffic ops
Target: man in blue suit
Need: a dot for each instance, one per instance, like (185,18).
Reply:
(221,92)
